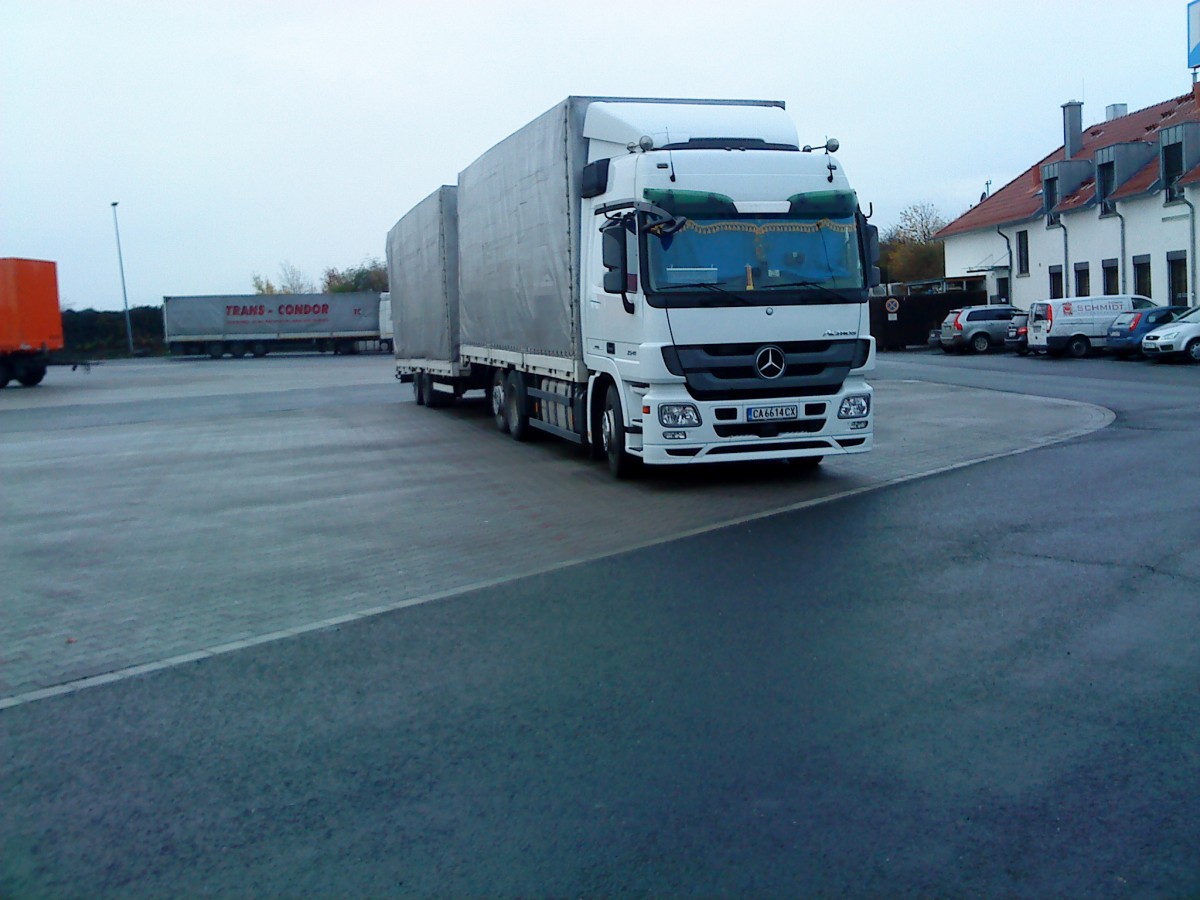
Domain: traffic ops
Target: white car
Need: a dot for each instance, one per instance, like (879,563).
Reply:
(1180,336)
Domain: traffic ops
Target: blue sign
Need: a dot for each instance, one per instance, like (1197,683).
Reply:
(1194,34)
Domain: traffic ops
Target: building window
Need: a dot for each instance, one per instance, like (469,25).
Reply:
(1177,277)
(1110,273)
(1141,276)
(1083,280)
(1173,170)
(1050,200)
(1105,179)
(1056,282)
(1022,252)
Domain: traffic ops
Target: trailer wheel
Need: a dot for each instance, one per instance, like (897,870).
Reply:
(434,398)
(612,436)
(258,350)
(499,407)
(515,411)
(31,375)
(6,373)
(216,350)
(237,349)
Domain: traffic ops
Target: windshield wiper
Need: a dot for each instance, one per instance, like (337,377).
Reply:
(666,289)
(813,284)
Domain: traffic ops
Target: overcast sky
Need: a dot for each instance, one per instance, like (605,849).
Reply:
(241,135)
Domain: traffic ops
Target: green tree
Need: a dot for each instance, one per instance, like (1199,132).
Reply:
(369,275)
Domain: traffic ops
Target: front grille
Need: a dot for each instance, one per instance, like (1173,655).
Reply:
(727,371)
(770,429)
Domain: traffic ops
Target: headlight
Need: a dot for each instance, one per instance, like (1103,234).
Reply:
(1169,336)
(854,407)
(678,415)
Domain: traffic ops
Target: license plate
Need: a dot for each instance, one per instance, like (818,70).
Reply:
(772,413)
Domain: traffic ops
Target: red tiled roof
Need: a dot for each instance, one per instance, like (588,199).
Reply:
(1190,177)
(1021,198)
(1081,196)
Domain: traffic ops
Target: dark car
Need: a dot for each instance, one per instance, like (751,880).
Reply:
(1127,330)
(977,328)
(1017,338)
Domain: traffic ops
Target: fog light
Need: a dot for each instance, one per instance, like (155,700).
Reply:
(861,423)
(854,407)
(678,415)
(675,435)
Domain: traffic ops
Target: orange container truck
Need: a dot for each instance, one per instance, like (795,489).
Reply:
(30,320)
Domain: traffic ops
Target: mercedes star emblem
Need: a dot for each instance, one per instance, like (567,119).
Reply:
(770,362)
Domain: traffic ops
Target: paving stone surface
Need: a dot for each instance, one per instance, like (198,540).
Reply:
(155,509)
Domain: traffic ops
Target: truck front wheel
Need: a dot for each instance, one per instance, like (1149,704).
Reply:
(6,373)
(612,436)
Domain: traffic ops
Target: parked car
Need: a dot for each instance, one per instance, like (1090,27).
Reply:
(1017,338)
(1180,337)
(1077,325)
(1127,330)
(977,328)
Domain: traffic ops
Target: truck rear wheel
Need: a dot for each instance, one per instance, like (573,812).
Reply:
(496,395)
(6,373)
(515,411)
(31,375)
(612,436)
(418,389)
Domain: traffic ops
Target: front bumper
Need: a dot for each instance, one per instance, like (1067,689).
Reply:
(726,434)
(1161,348)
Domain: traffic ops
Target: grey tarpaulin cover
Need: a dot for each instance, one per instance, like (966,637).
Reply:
(271,315)
(517,212)
(422,261)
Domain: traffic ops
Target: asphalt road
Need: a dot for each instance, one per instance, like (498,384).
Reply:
(983,682)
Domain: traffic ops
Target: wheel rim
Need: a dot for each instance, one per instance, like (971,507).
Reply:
(607,426)
(1193,351)
(498,398)
(981,343)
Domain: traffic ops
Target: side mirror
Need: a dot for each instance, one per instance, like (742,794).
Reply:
(615,256)
(871,246)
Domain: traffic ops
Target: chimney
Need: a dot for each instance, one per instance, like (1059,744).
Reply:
(1196,91)
(1072,128)
(1115,111)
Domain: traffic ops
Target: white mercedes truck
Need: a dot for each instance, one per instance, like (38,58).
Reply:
(666,282)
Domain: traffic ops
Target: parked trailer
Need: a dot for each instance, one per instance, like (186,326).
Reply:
(30,320)
(258,324)
(613,274)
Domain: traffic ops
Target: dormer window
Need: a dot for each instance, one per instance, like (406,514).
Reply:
(1106,176)
(1172,161)
(1050,200)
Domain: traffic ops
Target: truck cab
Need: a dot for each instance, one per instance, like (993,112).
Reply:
(725,289)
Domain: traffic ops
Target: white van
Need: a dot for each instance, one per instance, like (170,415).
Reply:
(1075,325)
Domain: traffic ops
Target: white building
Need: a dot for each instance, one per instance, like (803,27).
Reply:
(1112,211)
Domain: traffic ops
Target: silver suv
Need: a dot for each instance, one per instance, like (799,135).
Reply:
(977,328)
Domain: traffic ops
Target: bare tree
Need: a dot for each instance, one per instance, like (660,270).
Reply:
(291,281)
(918,223)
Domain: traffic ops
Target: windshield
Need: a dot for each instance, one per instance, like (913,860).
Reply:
(809,254)
(1192,315)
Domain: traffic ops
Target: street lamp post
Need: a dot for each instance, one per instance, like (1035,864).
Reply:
(124,293)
